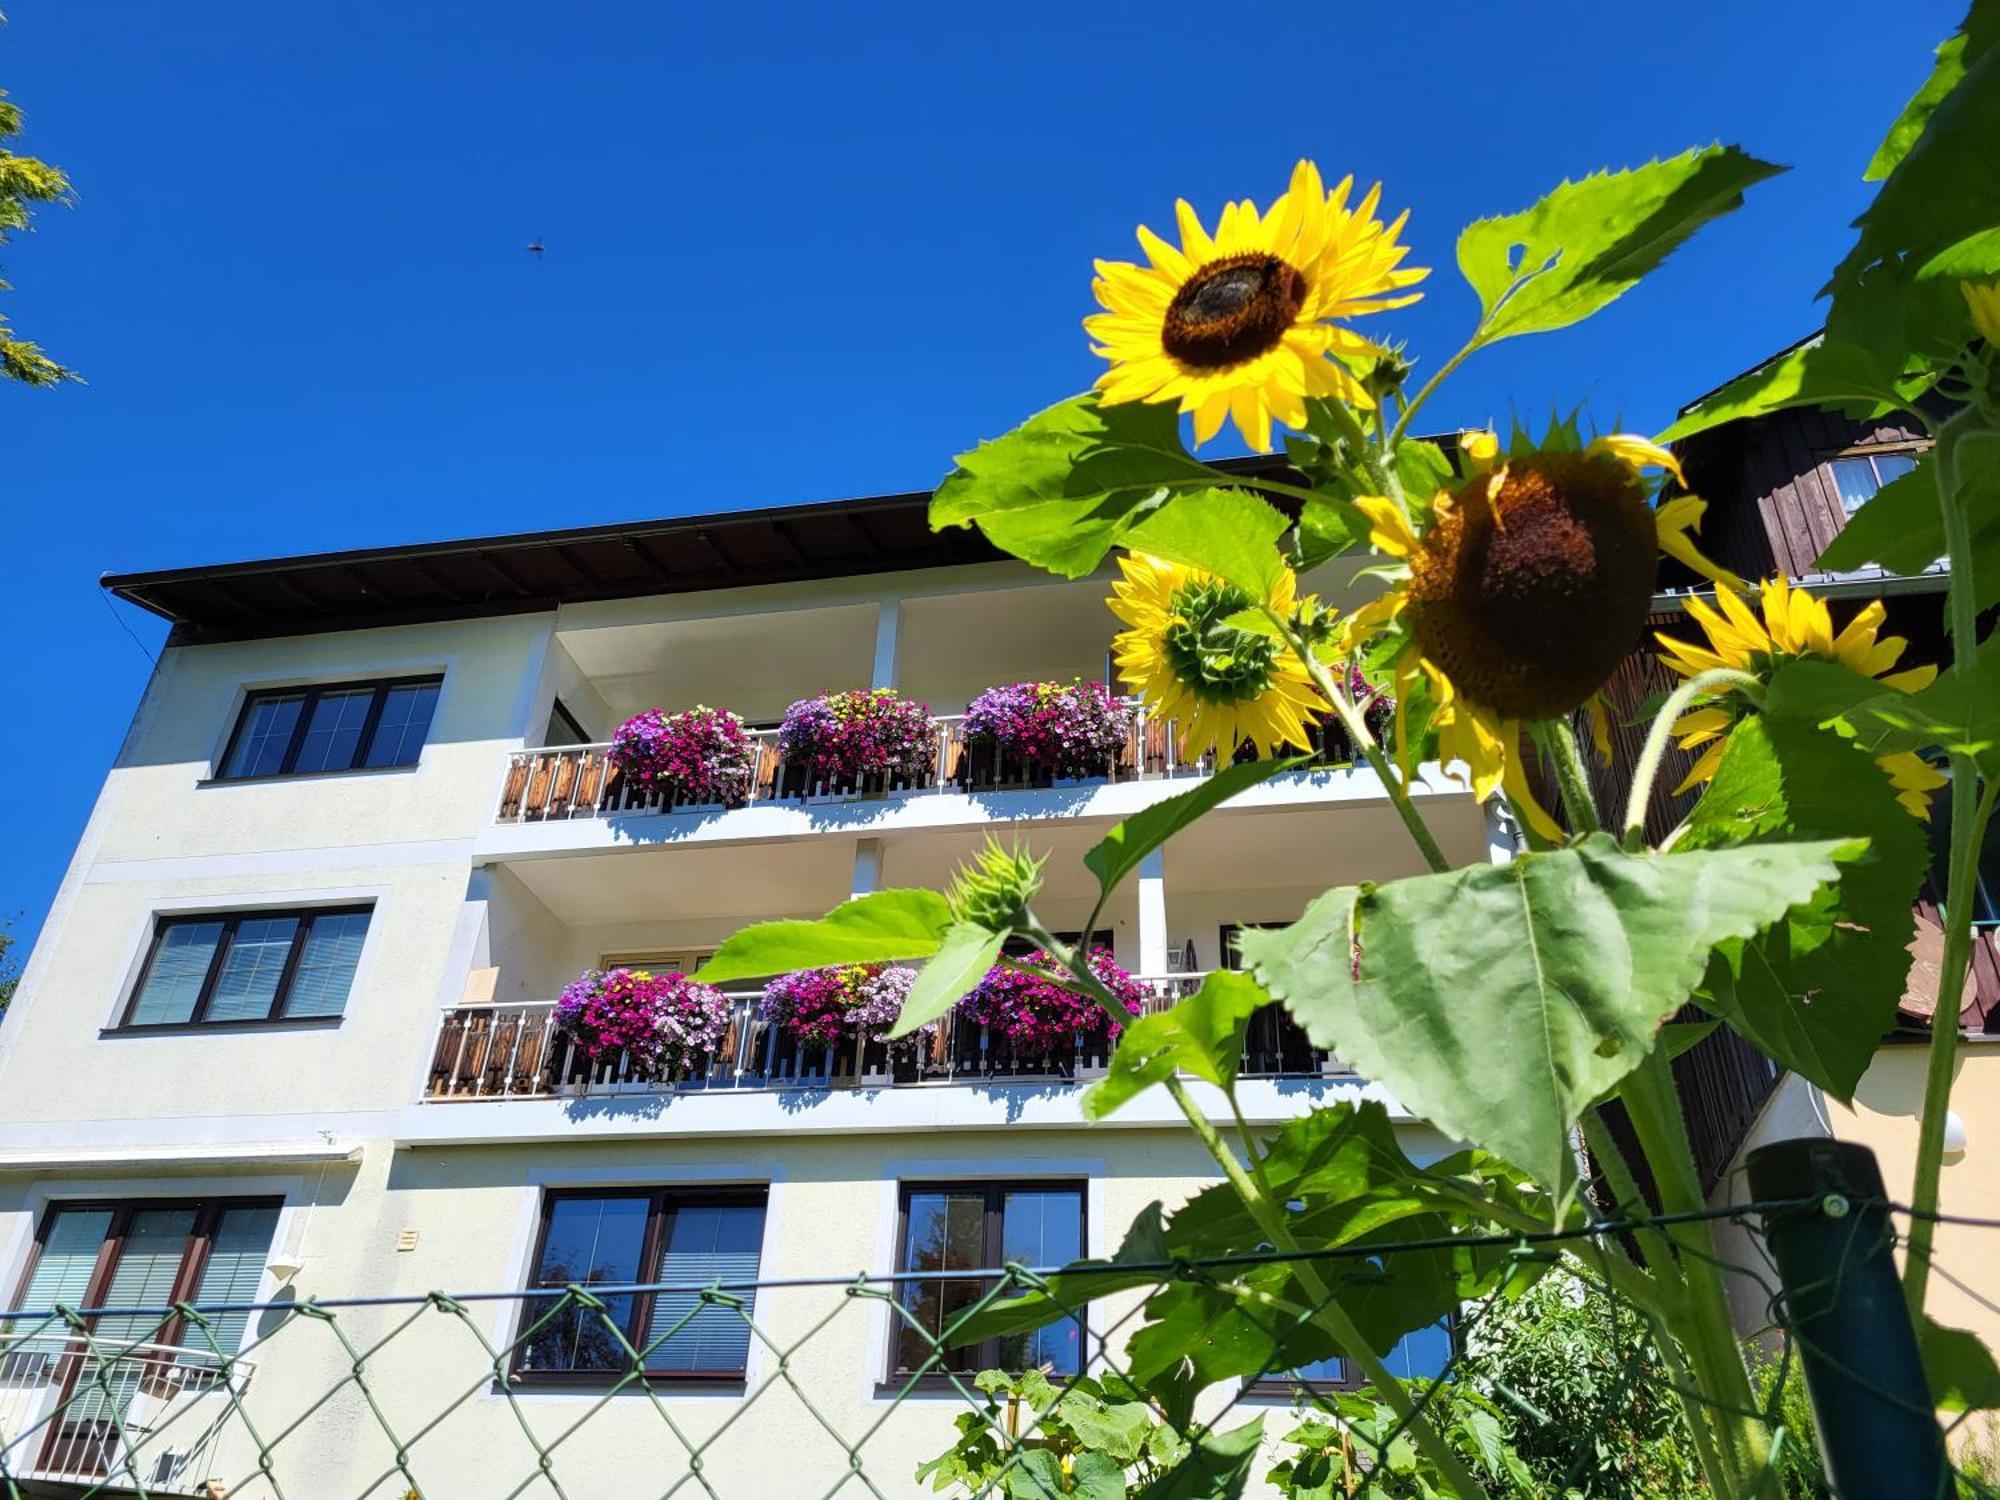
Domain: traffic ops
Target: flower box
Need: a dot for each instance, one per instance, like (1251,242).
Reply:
(643,1026)
(699,760)
(842,746)
(1044,734)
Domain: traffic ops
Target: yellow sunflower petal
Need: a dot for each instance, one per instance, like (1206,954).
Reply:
(1672,522)
(1636,453)
(1914,779)
(1389,530)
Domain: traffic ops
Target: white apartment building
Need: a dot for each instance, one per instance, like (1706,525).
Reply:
(286,1032)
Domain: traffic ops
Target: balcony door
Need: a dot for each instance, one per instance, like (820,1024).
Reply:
(140,1255)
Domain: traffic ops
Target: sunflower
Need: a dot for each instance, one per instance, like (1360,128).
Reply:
(1793,624)
(1223,684)
(1241,324)
(1527,588)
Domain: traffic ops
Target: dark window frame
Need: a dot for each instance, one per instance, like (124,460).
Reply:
(661,1202)
(231,920)
(1351,1378)
(995,1191)
(381,687)
(208,1209)
(1914,449)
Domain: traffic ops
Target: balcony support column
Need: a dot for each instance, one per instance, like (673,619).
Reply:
(1153,913)
(888,636)
(867,867)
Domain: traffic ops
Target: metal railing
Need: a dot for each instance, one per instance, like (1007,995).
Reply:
(578,781)
(114,1414)
(514,1050)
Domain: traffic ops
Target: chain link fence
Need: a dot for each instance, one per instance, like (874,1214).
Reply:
(436,1396)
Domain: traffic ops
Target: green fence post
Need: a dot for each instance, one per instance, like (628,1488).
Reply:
(1878,1429)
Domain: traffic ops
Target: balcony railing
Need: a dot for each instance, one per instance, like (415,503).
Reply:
(120,1417)
(579,781)
(515,1051)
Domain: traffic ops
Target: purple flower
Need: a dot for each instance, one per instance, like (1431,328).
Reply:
(701,755)
(661,1020)
(1037,1014)
(1074,731)
(844,737)
(820,1007)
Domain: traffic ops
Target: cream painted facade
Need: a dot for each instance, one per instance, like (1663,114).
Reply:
(386,1191)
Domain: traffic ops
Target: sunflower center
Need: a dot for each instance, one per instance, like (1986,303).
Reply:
(1232,310)
(1218,663)
(1529,597)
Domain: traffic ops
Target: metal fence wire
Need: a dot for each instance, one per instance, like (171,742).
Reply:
(422,1397)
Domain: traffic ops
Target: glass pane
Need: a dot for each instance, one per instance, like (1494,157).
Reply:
(1855,479)
(264,734)
(326,964)
(149,1266)
(62,1274)
(1423,1355)
(248,984)
(333,734)
(946,1232)
(1889,466)
(181,957)
(232,1273)
(406,719)
(714,1242)
(1039,1228)
(591,1241)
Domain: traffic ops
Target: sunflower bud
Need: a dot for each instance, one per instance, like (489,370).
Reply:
(1532,583)
(994,890)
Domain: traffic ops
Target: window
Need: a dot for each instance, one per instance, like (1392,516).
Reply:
(973,1226)
(340,727)
(152,1254)
(1423,1355)
(685,1240)
(249,967)
(563,728)
(1859,475)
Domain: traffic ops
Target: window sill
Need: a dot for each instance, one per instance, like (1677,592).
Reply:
(196,1028)
(283,776)
(936,1387)
(598,1384)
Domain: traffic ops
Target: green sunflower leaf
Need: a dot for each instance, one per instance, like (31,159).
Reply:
(1201,1036)
(1230,533)
(1820,373)
(1959,1367)
(1901,527)
(1588,242)
(1068,484)
(1818,989)
(877,928)
(1118,853)
(1216,1468)
(1560,969)
(961,961)
(1934,216)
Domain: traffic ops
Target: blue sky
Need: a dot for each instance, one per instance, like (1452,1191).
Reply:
(793,253)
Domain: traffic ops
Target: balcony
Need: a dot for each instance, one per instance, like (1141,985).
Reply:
(514,1051)
(578,781)
(123,1418)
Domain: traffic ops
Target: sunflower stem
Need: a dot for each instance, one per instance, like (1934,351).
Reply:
(1650,755)
(1556,738)
(1704,1327)
(1270,1218)
(1358,733)
(1970,810)
(1424,391)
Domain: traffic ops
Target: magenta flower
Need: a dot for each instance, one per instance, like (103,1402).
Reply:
(843,738)
(1074,731)
(1039,1015)
(822,1007)
(701,755)
(661,1020)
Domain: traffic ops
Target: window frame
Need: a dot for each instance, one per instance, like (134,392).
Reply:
(1351,1377)
(995,1190)
(231,920)
(208,1208)
(1914,450)
(312,692)
(660,1203)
